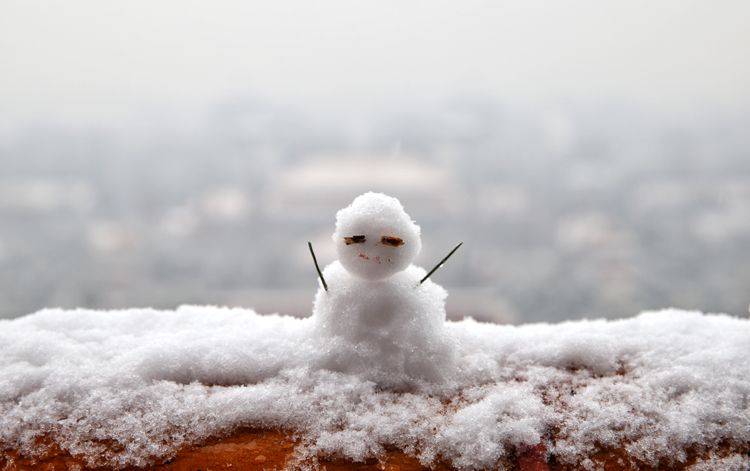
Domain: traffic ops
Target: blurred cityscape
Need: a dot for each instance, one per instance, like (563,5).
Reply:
(565,211)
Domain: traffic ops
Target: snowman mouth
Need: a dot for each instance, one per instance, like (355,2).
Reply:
(375,259)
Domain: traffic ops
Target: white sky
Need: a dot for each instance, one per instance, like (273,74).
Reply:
(100,56)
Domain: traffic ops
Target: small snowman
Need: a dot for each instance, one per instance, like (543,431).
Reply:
(375,314)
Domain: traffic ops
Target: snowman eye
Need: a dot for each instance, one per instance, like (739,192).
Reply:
(392,241)
(357,239)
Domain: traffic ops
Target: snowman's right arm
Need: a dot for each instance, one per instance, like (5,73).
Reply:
(317,268)
(440,263)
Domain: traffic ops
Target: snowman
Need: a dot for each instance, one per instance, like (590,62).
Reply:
(375,314)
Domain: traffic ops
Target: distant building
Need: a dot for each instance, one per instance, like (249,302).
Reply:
(39,196)
(329,182)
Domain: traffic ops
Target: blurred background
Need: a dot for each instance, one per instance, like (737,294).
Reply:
(593,156)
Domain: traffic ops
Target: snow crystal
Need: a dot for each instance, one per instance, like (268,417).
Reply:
(733,462)
(131,387)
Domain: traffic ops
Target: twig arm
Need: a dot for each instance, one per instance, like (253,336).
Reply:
(317,268)
(440,263)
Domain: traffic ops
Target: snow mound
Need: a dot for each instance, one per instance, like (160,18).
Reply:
(131,387)
(390,332)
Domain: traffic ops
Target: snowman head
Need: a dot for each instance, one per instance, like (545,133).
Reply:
(374,237)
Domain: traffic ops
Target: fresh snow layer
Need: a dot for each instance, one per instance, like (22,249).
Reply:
(131,387)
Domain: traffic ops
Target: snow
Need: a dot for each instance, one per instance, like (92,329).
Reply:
(376,319)
(370,217)
(131,387)
(724,463)
(391,332)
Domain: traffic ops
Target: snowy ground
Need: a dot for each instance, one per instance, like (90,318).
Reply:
(131,387)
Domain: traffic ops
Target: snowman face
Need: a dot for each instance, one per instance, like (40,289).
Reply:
(375,238)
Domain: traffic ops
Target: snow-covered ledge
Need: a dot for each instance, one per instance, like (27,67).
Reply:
(132,387)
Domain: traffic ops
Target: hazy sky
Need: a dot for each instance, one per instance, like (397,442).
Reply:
(97,56)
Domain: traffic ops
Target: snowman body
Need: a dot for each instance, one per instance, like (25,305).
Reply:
(377,320)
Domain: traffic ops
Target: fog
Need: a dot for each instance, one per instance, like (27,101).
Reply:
(94,58)
(593,157)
